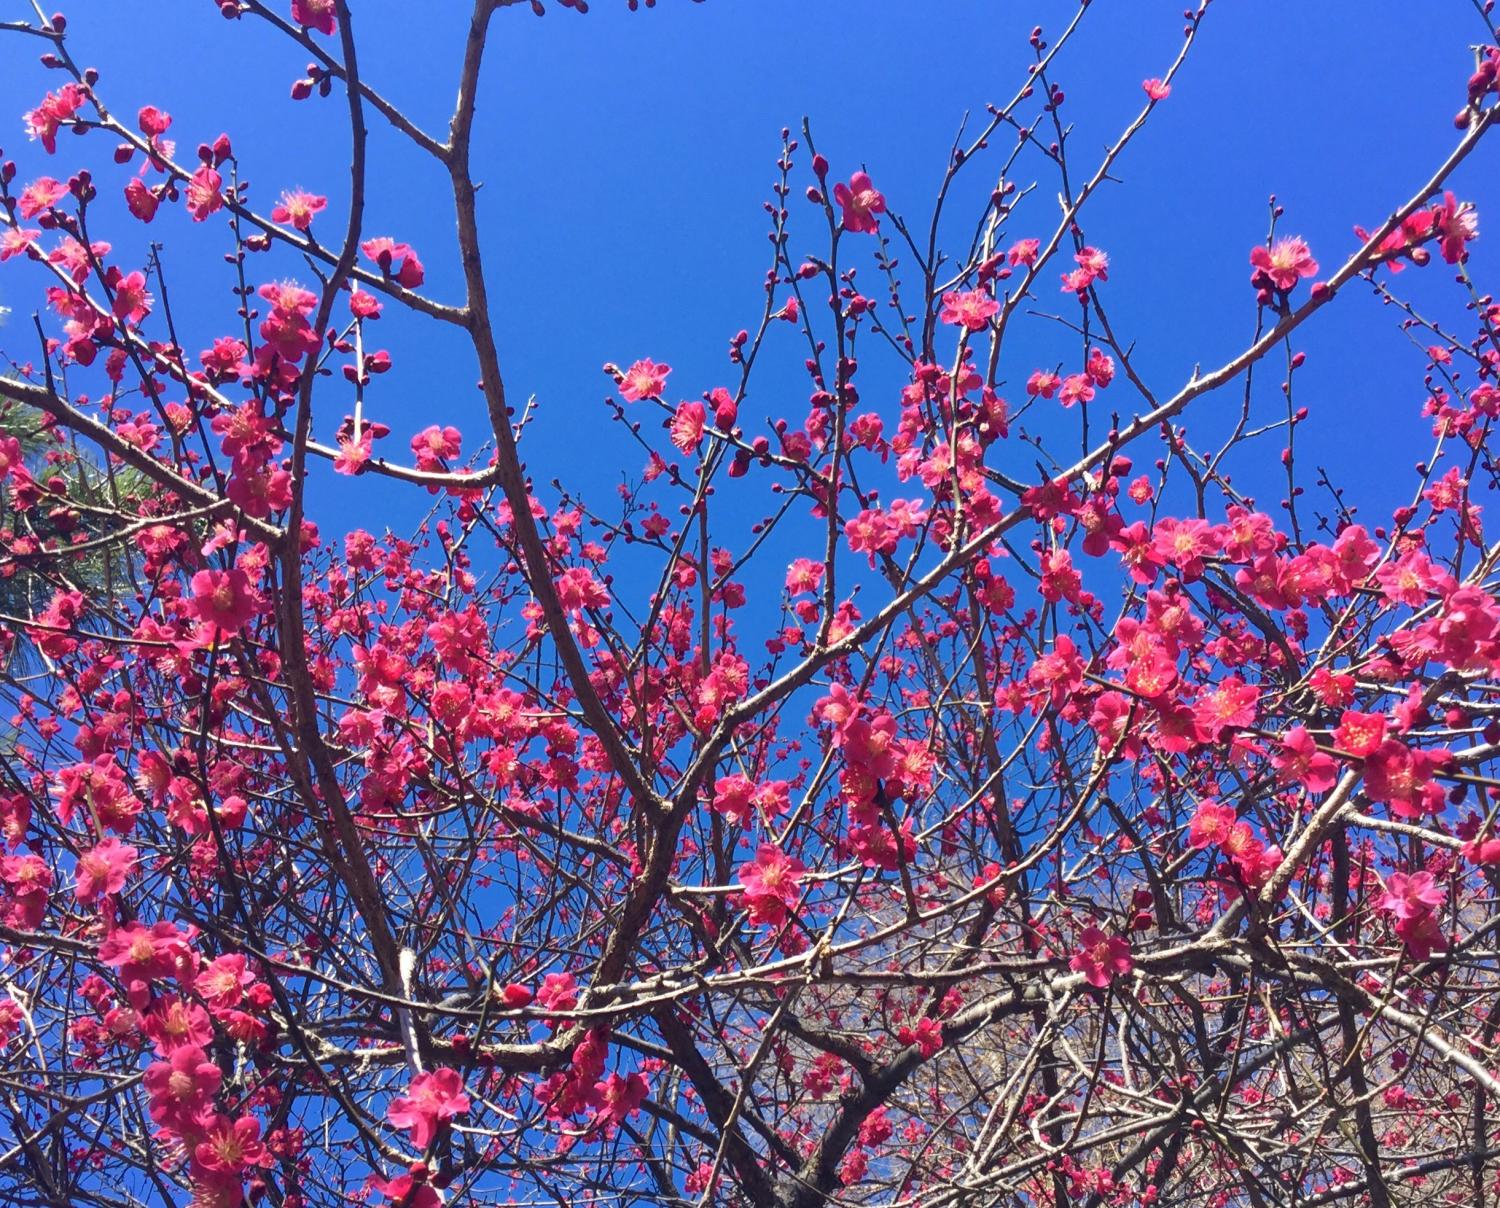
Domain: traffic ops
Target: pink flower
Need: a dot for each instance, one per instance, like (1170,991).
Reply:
(204,196)
(16,241)
(144,953)
(230,1146)
(41,195)
(1076,388)
(969,309)
(321,15)
(153,122)
(180,1088)
(132,303)
(1284,263)
(861,203)
(363,304)
(1024,251)
(223,983)
(435,446)
(299,208)
(619,1099)
(1156,89)
(804,575)
(771,883)
(289,298)
(1457,224)
(927,1036)
(1423,935)
(431,1101)
(1093,265)
(46,119)
(223,600)
(1211,824)
(1299,760)
(1043,382)
(1360,734)
(645,379)
(286,329)
(1409,896)
(141,200)
(687,426)
(733,797)
(1058,672)
(578,589)
(406,1190)
(396,260)
(559,992)
(1101,958)
(103,869)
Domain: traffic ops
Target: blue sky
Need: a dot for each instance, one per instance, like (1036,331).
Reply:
(625,158)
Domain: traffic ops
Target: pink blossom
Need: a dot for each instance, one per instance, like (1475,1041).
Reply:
(687,426)
(40,196)
(559,992)
(223,601)
(1284,263)
(644,379)
(131,302)
(1300,761)
(1024,251)
(861,203)
(180,1088)
(619,1100)
(204,193)
(43,122)
(1093,265)
(141,199)
(224,981)
(1076,388)
(321,15)
(396,260)
(927,1036)
(431,1101)
(433,447)
(16,241)
(1457,224)
(1211,824)
(298,208)
(144,953)
(230,1147)
(153,122)
(103,869)
(1100,957)
(771,884)
(970,309)
(1408,896)
(1157,90)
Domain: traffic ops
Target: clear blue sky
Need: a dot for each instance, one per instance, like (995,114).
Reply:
(625,158)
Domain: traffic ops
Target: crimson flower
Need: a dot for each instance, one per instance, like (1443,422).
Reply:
(861,203)
(432,1100)
(102,870)
(771,884)
(321,15)
(299,208)
(645,379)
(223,600)
(1100,957)
(969,309)
(1284,263)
